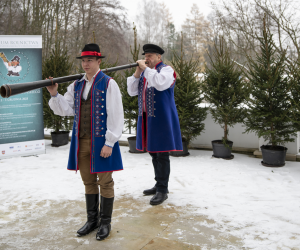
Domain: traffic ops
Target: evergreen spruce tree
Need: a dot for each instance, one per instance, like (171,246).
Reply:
(269,114)
(130,103)
(105,64)
(187,96)
(56,65)
(224,89)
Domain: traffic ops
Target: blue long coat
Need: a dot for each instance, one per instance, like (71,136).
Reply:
(162,123)
(98,164)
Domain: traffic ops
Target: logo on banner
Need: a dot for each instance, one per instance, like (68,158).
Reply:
(15,62)
(3,152)
(12,147)
(13,66)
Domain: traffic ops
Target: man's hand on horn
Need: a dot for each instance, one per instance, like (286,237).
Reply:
(142,64)
(53,88)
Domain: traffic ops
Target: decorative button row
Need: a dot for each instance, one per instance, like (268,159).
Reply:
(99,135)
(98,107)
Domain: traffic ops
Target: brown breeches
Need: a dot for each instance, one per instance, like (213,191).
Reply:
(90,181)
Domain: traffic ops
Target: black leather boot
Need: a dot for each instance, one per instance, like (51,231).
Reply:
(158,198)
(92,210)
(106,212)
(150,191)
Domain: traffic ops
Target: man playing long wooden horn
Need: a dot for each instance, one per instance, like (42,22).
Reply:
(158,127)
(96,103)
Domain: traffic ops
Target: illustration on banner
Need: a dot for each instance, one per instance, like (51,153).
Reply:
(13,67)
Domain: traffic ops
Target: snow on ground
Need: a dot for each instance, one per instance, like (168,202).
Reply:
(257,204)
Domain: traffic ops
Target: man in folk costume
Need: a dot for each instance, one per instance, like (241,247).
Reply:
(13,67)
(96,104)
(158,127)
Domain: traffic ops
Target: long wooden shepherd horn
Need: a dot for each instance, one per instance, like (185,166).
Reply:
(8,90)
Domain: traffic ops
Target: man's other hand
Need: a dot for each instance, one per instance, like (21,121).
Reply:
(52,89)
(106,151)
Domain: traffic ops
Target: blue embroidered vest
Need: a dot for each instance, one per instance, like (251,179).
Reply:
(98,128)
(162,123)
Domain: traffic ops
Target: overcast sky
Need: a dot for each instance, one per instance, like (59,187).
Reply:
(178,9)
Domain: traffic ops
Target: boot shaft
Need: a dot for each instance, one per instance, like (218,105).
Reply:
(106,209)
(92,206)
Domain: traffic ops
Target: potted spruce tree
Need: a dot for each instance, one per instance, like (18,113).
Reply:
(225,90)
(187,95)
(56,65)
(270,110)
(130,103)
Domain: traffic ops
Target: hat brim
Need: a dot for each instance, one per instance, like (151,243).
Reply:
(153,52)
(79,57)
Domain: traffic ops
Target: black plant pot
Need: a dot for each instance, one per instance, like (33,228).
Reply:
(222,151)
(185,151)
(59,138)
(132,145)
(273,156)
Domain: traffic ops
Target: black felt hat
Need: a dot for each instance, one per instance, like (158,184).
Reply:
(16,58)
(91,50)
(152,48)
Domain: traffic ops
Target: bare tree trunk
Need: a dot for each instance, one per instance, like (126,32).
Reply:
(76,21)
(244,17)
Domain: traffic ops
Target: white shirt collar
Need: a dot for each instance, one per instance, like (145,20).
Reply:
(85,77)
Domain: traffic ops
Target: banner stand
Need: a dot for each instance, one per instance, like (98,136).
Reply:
(21,116)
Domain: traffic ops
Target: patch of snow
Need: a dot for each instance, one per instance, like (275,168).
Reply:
(257,204)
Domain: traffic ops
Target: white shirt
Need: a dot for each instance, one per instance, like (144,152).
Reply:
(64,106)
(14,69)
(161,81)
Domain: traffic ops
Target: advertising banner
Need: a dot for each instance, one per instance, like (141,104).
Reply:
(21,116)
